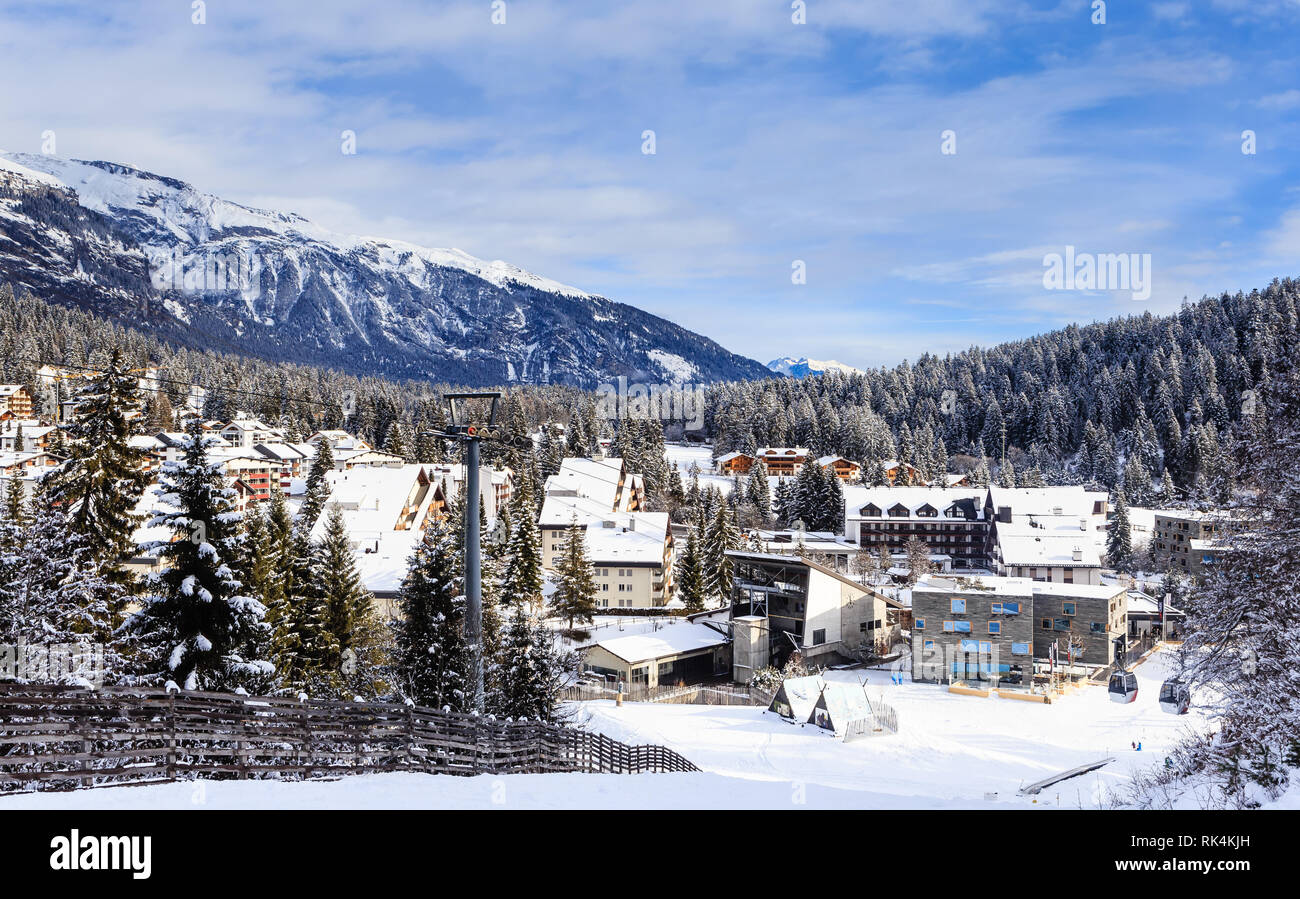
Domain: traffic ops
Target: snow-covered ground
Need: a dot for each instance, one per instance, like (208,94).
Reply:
(951,750)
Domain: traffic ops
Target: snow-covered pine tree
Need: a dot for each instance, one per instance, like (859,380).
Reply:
(52,593)
(521,579)
(1242,638)
(311,662)
(432,664)
(196,622)
(357,636)
(318,490)
(532,669)
(1119,539)
(103,478)
(689,577)
(720,537)
(574,598)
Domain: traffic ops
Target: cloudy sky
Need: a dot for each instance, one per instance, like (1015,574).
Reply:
(774,142)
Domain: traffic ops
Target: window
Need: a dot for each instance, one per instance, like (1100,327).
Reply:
(1010,608)
(1068,608)
(1061,624)
(1097,627)
(1020,649)
(995,608)
(958,607)
(958,627)
(995,627)
(920,624)
(604,588)
(819,636)
(641,675)
(1047,624)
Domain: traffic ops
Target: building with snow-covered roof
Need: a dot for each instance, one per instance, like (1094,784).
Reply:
(992,628)
(1047,533)
(679,652)
(1188,540)
(17,400)
(385,513)
(783,461)
(842,468)
(245,431)
(733,463)
(631,553)
(949,522)
(605,480)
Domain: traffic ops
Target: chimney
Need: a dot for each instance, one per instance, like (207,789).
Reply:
(1078,554)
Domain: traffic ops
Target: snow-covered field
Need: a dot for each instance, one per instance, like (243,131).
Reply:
(951,752)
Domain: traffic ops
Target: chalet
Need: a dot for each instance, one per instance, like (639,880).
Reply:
(27,464)
(842,468)
(1046,533)
(16,399)
(949,522)
(734,463)
(260,475)
(245,431)
(33,434)
(783,461)
(385,512)
(780,604)
(903,474)
(681,652)
(297,457)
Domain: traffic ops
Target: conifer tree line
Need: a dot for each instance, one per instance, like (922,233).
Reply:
(1241,648)
(1141,401)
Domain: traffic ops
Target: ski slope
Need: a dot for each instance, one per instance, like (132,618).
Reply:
(951,750)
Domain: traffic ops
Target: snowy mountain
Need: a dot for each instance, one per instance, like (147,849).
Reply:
(803,367)
(155,253)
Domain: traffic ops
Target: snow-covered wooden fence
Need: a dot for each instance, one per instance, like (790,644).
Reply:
(60,738)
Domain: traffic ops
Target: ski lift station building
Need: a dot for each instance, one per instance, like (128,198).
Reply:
(783,603)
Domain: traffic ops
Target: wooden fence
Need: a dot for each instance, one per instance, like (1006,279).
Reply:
(693,694)
(61,738)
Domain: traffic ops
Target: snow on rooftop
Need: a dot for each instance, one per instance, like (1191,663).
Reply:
(674,639)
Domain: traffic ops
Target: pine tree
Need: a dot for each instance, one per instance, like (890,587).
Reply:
(521,581)
(356,634)
(103,478)
(317,487)
(1242,631)
(575,589)
(52,594)
(757,489)
(720,537)
(1119,540)
(197,622)
(532,670)
(432,660)
(689,577)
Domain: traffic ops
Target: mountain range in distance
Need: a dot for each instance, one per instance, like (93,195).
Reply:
(156,254)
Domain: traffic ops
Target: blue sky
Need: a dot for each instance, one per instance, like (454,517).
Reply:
(775,142)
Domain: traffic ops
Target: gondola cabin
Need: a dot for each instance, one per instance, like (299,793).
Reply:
(1175,698)
(1123,687)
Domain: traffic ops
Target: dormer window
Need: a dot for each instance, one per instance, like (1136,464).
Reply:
(899,511)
